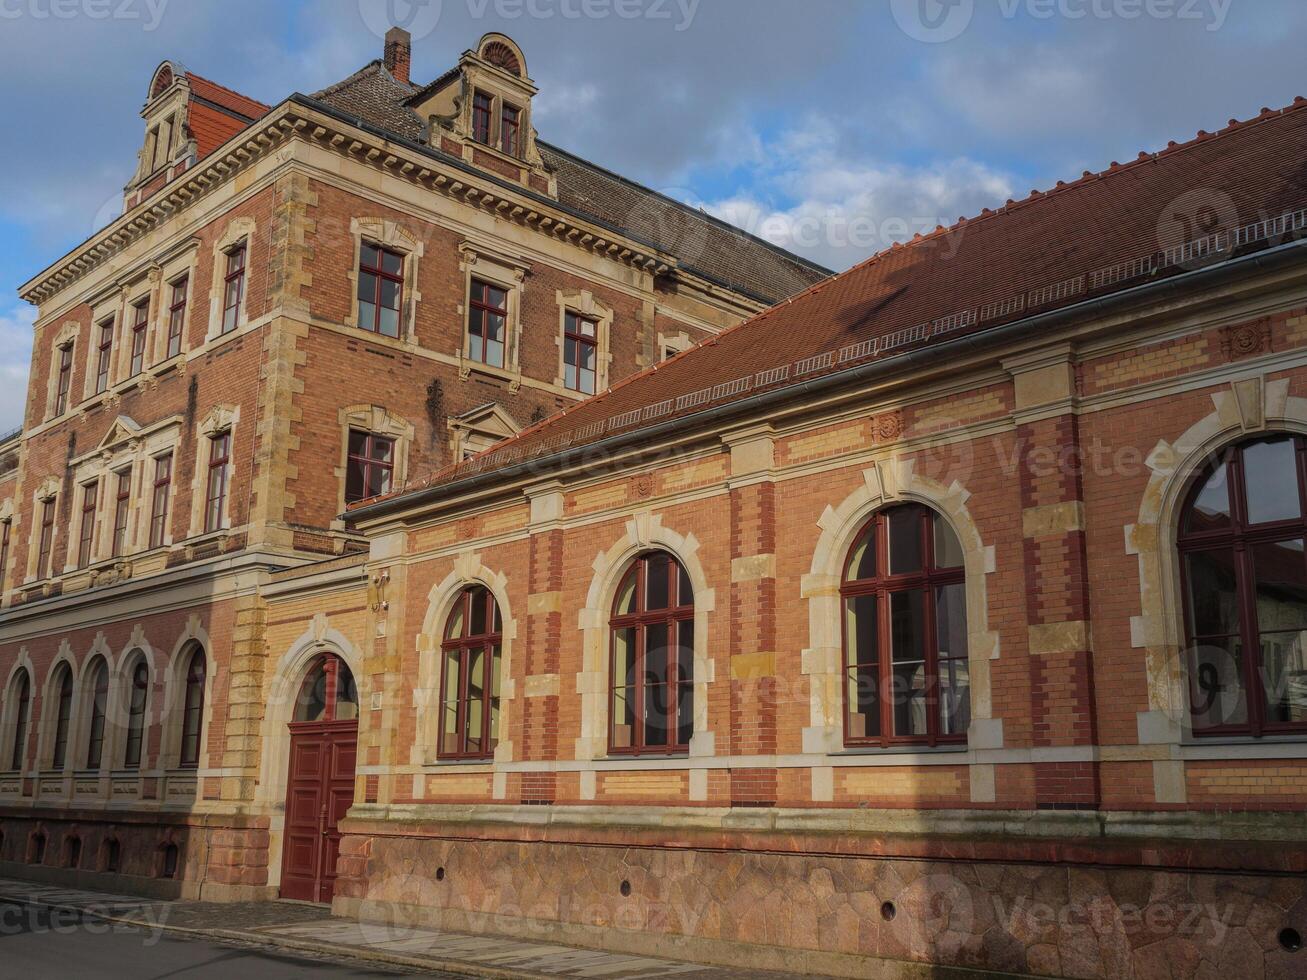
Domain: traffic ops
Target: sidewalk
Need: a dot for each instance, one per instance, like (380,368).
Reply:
(311,929)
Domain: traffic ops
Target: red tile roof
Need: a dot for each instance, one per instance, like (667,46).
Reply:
(229,112)
(1217,195)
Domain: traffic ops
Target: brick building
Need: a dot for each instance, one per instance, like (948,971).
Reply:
(951,612)
(301,305)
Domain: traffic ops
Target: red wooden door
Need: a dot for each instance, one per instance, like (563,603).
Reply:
(320,784)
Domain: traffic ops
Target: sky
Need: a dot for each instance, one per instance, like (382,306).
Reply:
(831,127)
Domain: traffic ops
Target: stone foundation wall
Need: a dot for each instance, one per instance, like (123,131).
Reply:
(218,858)
(782,903)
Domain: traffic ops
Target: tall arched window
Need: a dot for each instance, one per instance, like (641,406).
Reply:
(328,693)
(137,693)
(193,710)
(22,695)
(905,632)
(99,701)
(652,670)
(469,677)
(1245,582)
(63,716)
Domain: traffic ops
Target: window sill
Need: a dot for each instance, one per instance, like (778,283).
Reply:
(471,367)
(891,750)
(486,764)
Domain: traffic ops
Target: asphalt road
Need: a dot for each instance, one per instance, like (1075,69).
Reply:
(36,944)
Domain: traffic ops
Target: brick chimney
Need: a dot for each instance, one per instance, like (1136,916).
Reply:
(398,53)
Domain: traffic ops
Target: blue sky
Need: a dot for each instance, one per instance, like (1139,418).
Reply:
(830,126)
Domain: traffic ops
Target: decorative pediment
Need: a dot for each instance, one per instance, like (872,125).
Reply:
(123,428)
(487,420)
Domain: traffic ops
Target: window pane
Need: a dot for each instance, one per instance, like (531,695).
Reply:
(392,263)
(657,714)
(656,653)
(354,488)
(1281,585)
(1211,507)
(863,690)
(475,692)
(1284,676)
(623,717)
(369,255)
(685,589)
(948,549)
(862,561)
(478,611)
(495,353)
(358,443)
(495,327)
(389,322)
(626,594)
(587,356)
(1213,596)
(1216,683)
(904,540)
(382,450)
(367,315)
(685,714)
(495,657)
(951,620)
(954,697)
(860,613)
(378,480)
(910,699)
(569,351)
(907,641)
(476,326)
(656,583)
(498,297)
(390,294)
(685,650)
(1270,471)
(569,376)
(367,287)
(624,657)
(907,625)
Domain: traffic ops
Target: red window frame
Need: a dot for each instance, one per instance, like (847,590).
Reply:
(881,587)
(177,315)
(138,692)
(1239,541)
(193,711)
(482,112)
(233,288)
(62,719)
(121,508)
(510,125)
(576,344)
(105,356)
(65,381)
(631,690)
(328,684)
(378,266)
(469,698)
(45,550)
(22,715)
(369,465)
(482,308)
(140,323)
(216,491)
(159,504)
(86,530)
(99,709)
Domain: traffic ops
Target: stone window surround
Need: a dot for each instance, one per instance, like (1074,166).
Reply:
(48,489)
(106,309)
(67,336)
(8,716)
(173,699)
(185,265)
(887,482)
(467,436)
(238,230)
(168,106)
(45,725)
(582,302)
(481,260)
(507,89)
(1244,409)
(376,420)
(221,418)
(9,513)
(396,238)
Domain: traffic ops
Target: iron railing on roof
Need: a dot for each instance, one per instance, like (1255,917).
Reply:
(11,436)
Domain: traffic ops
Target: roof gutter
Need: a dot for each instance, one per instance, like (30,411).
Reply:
(1270,259)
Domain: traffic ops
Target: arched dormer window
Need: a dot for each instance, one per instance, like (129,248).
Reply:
(652,670)
(1241,541)
(905,632)
(471,655)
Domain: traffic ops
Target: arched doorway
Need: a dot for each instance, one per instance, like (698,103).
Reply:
(320,784)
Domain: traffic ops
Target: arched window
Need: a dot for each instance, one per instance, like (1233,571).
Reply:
(63,716)
(193,710)
(136,698)
(1245,583)
(328,692)
(905,632)
(652,659)
(469,677)
(22,694)
(99,701)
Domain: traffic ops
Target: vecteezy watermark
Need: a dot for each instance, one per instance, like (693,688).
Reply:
(937,21)
(420,17)
(150,12)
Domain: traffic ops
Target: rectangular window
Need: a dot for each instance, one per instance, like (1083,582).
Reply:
(159,505)
(487,323)
(104,356)
(45,550)
(177,316)
(580,353)
(381,289)
(216,498)
(140,320)
(86,543)
(65,379)
(369,466)
(233,288)
(121,507)
(482,105)
(509,125)
(6,527)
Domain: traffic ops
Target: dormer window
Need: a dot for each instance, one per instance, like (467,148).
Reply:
(509,124)
(482,113)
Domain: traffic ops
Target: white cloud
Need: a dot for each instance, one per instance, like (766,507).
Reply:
(15,361)
(838,210)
